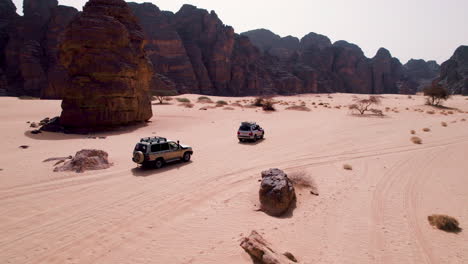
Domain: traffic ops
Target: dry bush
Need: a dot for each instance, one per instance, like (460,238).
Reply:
(259,101)
(412,132)
(377,112)
(436,93)
(221,103)
(431,112)
(426,129)
(228,108)
(204,100)
(443,124)
(416,140)
(183,100)
(299,108)
(363,105)
(268,105)
(347,167)
(444,222)
(463,120)
(236,105)
(187,105)
(203,108)
(450,112)
(301,179)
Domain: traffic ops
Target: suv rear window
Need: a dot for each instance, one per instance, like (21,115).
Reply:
(244,128)
(140,147)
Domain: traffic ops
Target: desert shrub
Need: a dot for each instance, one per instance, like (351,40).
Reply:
(26,97)
(163,95)
(435,93)
(228,108)
(412,132)
(187,105)
(259,101)
(299,108)
(431,112)
(221,103)
(236,104)
(463,120)
(363,105)
(347,167)
(183,100)
(301,179)
(416,140)
(444,222)
(376,112)
(450,112)
(204,99)
(268,106)
(443,124)
(426,129)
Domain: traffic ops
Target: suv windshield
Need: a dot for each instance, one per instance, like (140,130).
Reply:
(244,128)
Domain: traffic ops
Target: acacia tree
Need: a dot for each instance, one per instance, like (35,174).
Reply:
(363,105)
(436,93)
(163,95)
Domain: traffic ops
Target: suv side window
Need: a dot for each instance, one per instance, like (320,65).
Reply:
(174,146)
(164,146)
(155,147)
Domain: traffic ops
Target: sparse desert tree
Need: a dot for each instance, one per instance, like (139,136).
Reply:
(363,105)
(163,95)
(268,105)
(436,93)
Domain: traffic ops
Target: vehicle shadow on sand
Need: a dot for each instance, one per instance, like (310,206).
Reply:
(251,142)
(141,171)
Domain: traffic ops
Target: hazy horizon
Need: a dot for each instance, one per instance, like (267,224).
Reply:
(420,29)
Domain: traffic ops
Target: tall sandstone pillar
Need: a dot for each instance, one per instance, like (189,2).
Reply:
(103,52)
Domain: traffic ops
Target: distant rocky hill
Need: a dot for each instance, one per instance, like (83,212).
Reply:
(192,51)
(454,72)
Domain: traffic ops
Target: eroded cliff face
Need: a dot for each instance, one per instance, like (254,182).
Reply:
(103,52)
(454,72)
(29,48)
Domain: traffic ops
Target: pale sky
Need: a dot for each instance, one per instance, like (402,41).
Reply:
(421,29)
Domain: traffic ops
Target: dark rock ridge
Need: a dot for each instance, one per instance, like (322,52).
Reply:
(103,52)
(454,72)
(192,51)
(423,72)
(339,67)
(28,47)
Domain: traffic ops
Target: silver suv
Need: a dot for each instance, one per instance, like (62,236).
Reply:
(156,151)
(250,131)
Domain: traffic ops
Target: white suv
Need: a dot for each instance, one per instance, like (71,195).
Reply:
(250,131)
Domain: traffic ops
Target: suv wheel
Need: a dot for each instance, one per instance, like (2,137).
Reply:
(186,156)
(255,138)
(158,163)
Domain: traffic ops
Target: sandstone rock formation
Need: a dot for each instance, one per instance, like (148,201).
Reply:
(276,193)
(103,53)
(422,72)
(262,252)
(86,159)
(454,72)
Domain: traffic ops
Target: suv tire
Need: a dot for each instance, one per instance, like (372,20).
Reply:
(186,157)
(158,163)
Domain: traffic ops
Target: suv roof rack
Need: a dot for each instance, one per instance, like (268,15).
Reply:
(247,123)
(153,139)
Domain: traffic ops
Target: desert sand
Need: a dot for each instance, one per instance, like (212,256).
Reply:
(197,212)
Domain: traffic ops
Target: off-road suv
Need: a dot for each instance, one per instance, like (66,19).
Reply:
(156,151)
(250,131)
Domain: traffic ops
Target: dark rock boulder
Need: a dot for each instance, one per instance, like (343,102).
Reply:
(454,72)
(276,193)
(103,53)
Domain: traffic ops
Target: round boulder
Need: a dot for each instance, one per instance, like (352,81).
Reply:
(276,192)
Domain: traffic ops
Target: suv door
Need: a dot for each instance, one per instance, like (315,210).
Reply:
(175,152)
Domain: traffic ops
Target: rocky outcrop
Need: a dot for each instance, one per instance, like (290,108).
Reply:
(86,159)
(276,193)
(57,78)
(454,72)
(422,72)
(103,52)
(262,251)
